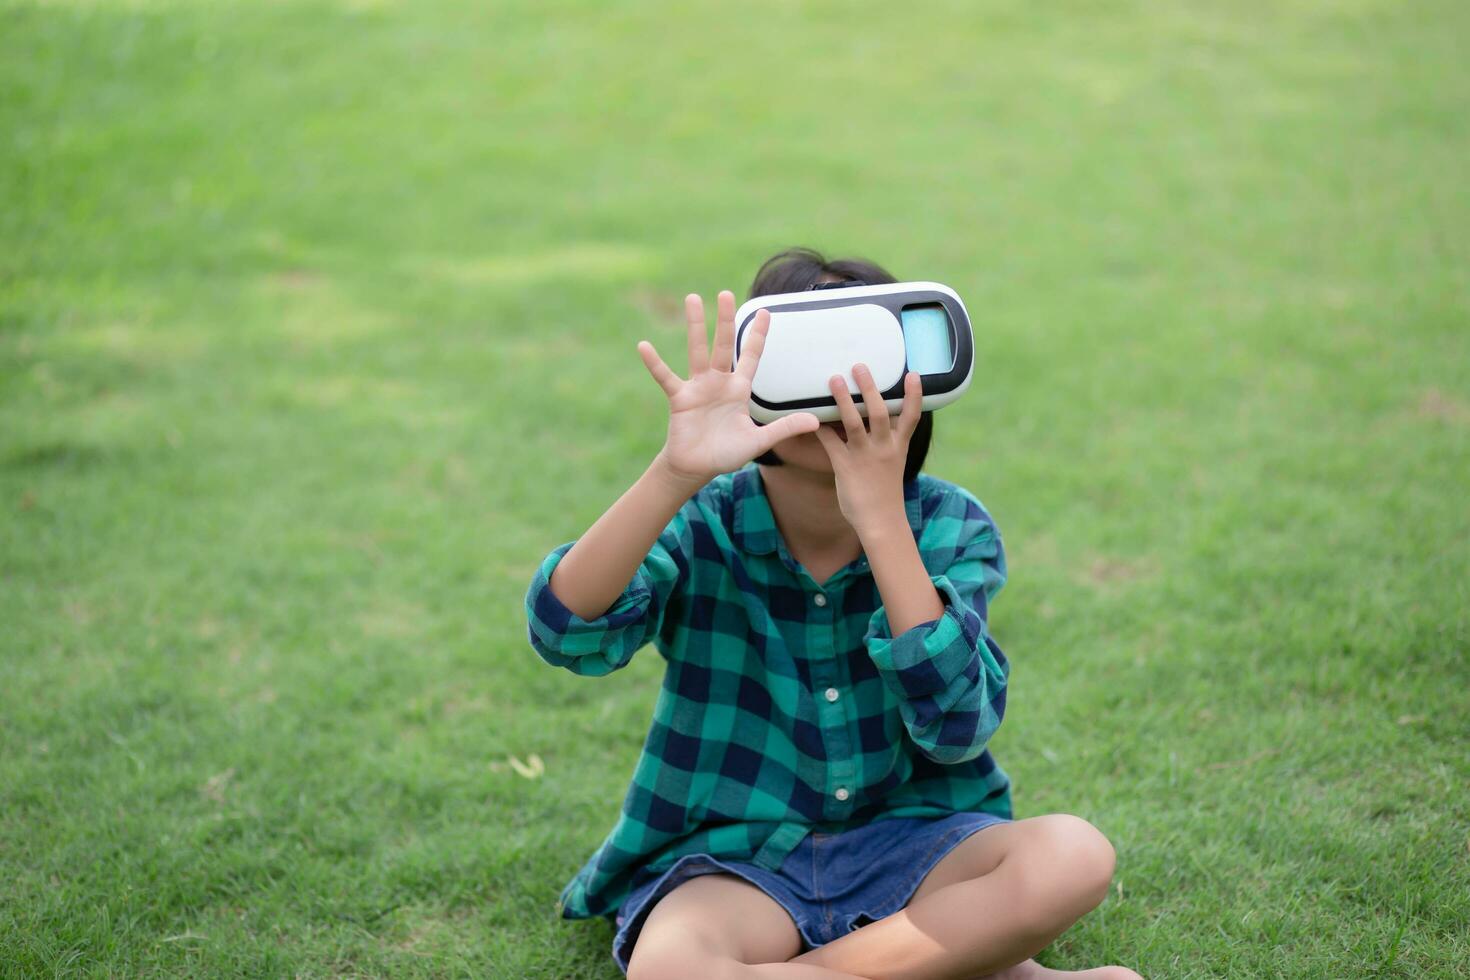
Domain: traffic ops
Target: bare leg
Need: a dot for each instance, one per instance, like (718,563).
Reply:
(994,901)
(967,861)
(717,926)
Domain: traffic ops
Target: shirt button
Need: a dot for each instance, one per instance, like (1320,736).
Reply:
(819,599)
(831,694)
(841,793)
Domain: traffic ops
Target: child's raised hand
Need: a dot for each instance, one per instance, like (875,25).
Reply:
(710,428)
(869,464)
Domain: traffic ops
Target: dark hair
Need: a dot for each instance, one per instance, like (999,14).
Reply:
(797,269)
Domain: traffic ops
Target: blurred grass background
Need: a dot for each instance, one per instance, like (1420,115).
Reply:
(317,332)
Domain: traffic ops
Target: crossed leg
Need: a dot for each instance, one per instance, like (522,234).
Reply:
(996,899)
(716,926)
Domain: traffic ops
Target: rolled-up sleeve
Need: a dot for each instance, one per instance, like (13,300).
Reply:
(948,674)
(643,610)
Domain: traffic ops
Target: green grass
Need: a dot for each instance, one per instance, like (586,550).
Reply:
(317,332)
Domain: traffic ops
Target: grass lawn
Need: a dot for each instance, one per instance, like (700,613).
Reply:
(317,332)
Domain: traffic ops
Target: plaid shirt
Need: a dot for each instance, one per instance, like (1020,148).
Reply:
(787,705)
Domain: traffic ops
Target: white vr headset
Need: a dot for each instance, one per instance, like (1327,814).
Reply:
(893,329)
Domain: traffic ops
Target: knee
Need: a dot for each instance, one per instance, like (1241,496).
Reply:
(1076,859)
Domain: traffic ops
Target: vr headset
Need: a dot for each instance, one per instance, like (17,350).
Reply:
(893,329)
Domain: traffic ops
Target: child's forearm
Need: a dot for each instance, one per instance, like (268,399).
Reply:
(907,592)
(597,569)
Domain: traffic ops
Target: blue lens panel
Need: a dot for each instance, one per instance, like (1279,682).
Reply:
(926,339)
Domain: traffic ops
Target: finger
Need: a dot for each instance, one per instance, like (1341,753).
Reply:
(724,352)
(786,427)
(698,339)
(851,420)
(666,378)
(872,401)
(913,404)
(755,342)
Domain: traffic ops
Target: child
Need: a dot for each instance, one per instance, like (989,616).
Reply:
(814,798)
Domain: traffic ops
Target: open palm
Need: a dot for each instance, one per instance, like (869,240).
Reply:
(710,428)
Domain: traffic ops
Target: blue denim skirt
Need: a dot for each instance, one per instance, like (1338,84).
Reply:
(830,884)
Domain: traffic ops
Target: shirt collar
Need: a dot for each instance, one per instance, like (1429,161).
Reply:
(755,524)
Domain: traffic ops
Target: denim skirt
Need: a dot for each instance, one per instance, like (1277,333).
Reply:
(830,884)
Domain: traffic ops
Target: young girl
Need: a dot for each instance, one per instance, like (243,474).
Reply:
(814,798)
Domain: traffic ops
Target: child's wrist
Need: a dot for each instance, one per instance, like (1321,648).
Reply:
(686,484)
(883,519)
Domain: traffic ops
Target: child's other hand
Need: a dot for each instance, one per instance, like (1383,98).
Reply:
(869,462)
(710,428)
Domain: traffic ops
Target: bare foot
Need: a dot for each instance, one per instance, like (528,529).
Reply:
(1032,970)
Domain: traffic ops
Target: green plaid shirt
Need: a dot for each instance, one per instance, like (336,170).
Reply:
(788,705)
